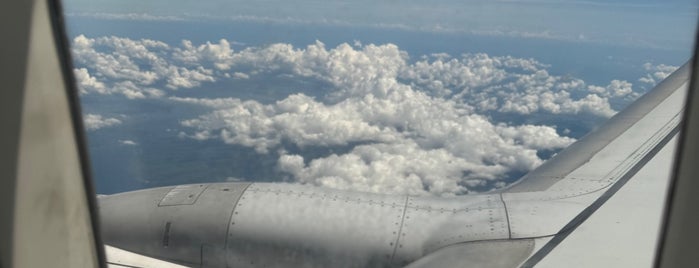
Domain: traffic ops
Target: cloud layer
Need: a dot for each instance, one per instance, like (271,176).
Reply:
(96,121)
(134,68)
(399,125)
(656,73)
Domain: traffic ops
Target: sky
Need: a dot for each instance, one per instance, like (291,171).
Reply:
(443,99)
(658,24)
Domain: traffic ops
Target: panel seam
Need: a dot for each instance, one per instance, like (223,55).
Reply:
(507,216)
(400,229)
(230,218)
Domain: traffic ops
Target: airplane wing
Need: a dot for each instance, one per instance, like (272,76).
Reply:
(599,202)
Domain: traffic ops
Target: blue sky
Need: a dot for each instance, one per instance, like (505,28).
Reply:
(658,24)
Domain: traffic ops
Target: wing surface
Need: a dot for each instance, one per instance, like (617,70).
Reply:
(551,202)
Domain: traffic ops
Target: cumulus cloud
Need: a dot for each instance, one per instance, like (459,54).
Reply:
(220,55)
(404,136)
(616,88)
(128,142)
(402,126)
(410,142)
(239,75)
(88,83)
(133,68)
(511,85)
(485,83)
(143,68)
(656,73)
(95,122)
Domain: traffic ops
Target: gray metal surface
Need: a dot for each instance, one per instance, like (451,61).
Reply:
(350,229)
(183,195)
(434,223)
(45,213)
(680,235)
(275,225)
(197,232)
(493,254)
(291,225)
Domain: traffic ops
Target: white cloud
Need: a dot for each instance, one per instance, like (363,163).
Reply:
(410,140)
(128,142)
(179,77)
(120,62)
(407,137)
(502,84)
(511,85)
(616,88)
(656,73)
(95,121)
(445,75)
(220,55)
(405,126)
(482,82)
(534,137)
(391,168)
(410,167)
(239,75)
(134,68)
(88,83)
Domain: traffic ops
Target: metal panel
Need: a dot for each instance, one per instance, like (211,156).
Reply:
(531,218)
(183,195)
(204,223)
(493,254)
(433,223)
(284,225)
(134,221)
(277,225)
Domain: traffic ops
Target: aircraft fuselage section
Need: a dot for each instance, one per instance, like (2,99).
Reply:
(261,224)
